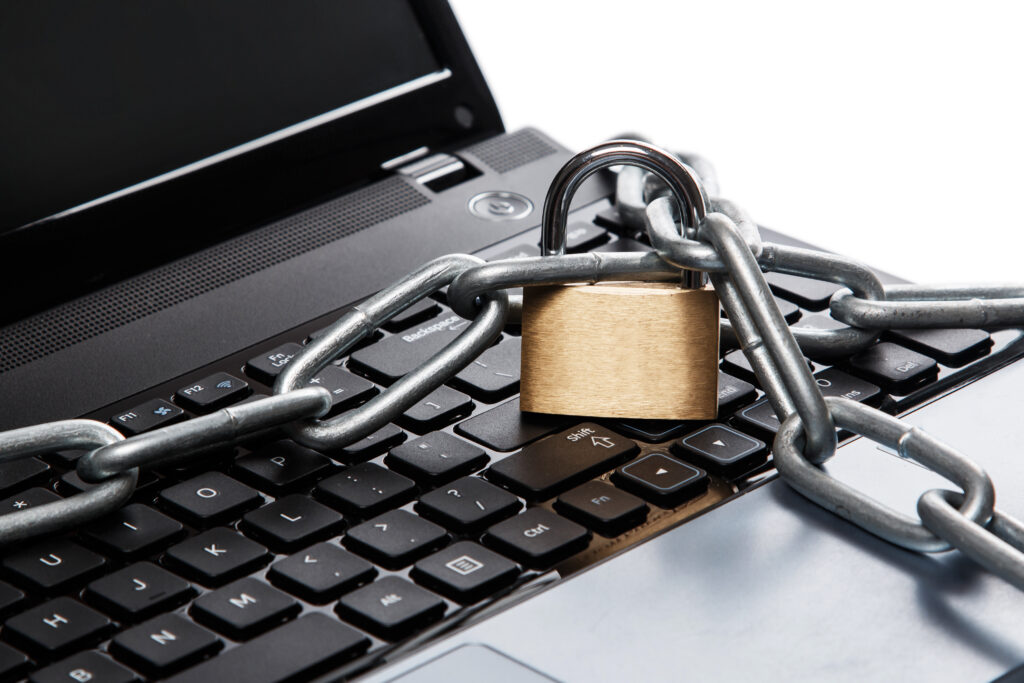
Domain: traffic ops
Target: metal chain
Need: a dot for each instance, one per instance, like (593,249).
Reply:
(690,232)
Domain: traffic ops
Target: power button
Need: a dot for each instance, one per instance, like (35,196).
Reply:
(500,206)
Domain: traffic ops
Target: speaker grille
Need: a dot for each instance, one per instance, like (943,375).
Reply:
(36,337)
(512,150)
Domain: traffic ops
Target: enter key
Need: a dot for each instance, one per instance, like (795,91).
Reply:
(557,463)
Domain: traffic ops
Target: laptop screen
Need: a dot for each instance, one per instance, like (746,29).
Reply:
(105,96)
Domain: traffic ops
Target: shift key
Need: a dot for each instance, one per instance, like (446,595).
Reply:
(389,359)
(557,463)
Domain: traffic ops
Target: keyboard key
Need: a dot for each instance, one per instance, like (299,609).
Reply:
(835,382)
(395,539)
(216,556)
(282,466)
(609,218)
(291,523)
(138,591)
(602,508)
(723,450)
(28,498)
(210,498)
(465,572)
(347,390)
(57,627)
(70,483)
(493,375)
(133,531)
(538,538)
(12,663)
(296,651)
(211,393)
(805,292)
(266,367)
(164,644)
(517,251)
(580,236)
(244,608)
(52,565)
(557,463)
(506,428)
(366,489)
(321,572)
(391,607)
(790,312)
(467,505)
(651,431)
(147,416)
(91,667)
(424,309)
(819,322)
(436,458)
(393,357)
(950,347)
(384,438)
(17,475)
(896,369)
(662,480)
(759,418)
(735,363)
(733,393)
(437,409)
(10,598)
(623,244)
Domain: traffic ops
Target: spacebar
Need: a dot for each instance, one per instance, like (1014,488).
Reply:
(303,647)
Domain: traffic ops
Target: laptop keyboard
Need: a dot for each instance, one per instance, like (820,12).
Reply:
(272,561)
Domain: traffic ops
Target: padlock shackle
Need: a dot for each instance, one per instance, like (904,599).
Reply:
(682,181)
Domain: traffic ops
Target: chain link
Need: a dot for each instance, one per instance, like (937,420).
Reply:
(694,236)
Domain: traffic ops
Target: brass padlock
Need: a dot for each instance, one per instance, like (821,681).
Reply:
(625,350)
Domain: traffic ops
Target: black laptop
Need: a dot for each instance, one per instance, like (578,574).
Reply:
(191,193)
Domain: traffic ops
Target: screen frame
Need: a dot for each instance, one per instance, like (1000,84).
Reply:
(101,242)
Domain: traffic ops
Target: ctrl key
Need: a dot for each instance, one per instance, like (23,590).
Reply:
(538,538)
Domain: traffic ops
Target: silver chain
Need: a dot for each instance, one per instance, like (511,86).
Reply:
(690,232)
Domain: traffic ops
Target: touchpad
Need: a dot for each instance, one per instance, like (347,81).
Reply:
(473,663)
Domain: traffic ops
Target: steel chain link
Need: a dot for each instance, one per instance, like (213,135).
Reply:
(690,232)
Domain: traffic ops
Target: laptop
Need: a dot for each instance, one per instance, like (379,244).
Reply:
(191,194)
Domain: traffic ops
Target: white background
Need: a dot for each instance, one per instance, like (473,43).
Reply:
(890,132)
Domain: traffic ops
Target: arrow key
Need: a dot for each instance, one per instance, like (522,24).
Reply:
(723,450)
(662,480)
(321,573)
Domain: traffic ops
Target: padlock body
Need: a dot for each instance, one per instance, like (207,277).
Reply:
(630,350)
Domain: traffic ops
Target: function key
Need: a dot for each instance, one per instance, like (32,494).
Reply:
(133,531)
(85,667)
(391,607)
(213,392)
(723,450)
(164,644)
(244,608)
(896,369)
(282,466)
(395,539)
(56,627)
(321,572)
(552,465)
(424,309)
(950,347)
(465,572)
(435,458)
(266,367)
(209,499)
(805,292)
(580,236)
(384,438)
(394,356)
(437,409)
(494,375)
(16,475)
(347,390)
(506,428)
(468,504)
(138,591)
(538,538)
(365,490)
(216,556)
(52,565)
(292,522)
(147,416)
(662,480)
(605,509)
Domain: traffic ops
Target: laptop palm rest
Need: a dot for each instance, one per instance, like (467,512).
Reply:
(770,586)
